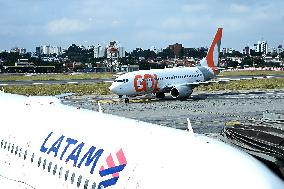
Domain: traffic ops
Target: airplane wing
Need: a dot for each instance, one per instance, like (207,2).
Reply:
(223,81)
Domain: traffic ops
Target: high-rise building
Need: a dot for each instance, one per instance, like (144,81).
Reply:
(48,50)
(176,48)
(99,51)
(121,52)
(261,47)
(246,50)
(227,50)
(19,50)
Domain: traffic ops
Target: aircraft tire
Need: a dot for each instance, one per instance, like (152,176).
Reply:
(126,100)
(160,95)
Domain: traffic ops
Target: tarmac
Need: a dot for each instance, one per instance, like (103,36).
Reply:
(208,112)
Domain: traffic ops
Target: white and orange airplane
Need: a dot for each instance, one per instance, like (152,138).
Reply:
(44,145)
(178,81)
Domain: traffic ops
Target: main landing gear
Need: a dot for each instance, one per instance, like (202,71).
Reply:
(160,95)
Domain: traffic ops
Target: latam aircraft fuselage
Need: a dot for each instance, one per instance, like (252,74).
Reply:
(44,145)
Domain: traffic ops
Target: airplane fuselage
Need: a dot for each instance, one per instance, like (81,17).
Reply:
(159,80)
(47,145)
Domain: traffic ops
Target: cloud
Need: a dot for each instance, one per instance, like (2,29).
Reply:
(193,8)
(66,26)
(239,8)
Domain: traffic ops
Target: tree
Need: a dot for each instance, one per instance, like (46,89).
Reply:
(282,55)
(166,53)
(247,61)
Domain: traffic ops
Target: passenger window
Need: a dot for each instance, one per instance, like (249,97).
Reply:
(25,155)
(86,184)
(39,162)
(79,181)
(49,166)
(12,150)
(66,175)
(32,158)
(54,170)
(60,171)
(44,163)
(16,151)
(72,178)
(20,152)
(2,142)
(94,185)
(5,145)
(9,146)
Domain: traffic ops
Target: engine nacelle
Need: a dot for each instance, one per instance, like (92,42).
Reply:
(181,92)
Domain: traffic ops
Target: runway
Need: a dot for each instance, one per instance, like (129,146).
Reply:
(53,82)
(79,81)
(208,111)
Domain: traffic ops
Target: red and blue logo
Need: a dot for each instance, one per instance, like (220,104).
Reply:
(112,169)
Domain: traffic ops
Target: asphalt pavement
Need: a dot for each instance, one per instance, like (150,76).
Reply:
(208,111)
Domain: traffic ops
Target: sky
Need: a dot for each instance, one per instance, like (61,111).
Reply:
(139,23)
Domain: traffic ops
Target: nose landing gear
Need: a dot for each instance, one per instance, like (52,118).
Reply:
(126,100)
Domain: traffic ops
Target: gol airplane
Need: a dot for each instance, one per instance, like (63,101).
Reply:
(178,81)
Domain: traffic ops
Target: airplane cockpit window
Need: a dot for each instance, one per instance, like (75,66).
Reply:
(94,185)
(66,175)
(5,145)
(9,146)
(119,81)
(2,142)
(86,184)
(79,181)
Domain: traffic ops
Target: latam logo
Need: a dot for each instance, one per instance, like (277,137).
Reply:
(57,146)
(112,169)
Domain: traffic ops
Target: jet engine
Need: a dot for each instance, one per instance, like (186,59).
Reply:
(181,92)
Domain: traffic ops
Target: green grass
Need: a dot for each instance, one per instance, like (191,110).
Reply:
(49,90)
(249,73)
(102,88)
(56,77)
(273,83)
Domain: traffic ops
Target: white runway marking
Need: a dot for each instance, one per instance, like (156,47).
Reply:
(72,82)
(37,83)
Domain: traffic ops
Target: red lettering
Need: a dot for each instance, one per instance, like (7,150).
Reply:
(136,81)
(141,86)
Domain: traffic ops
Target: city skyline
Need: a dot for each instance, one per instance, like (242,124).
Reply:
(139,23)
